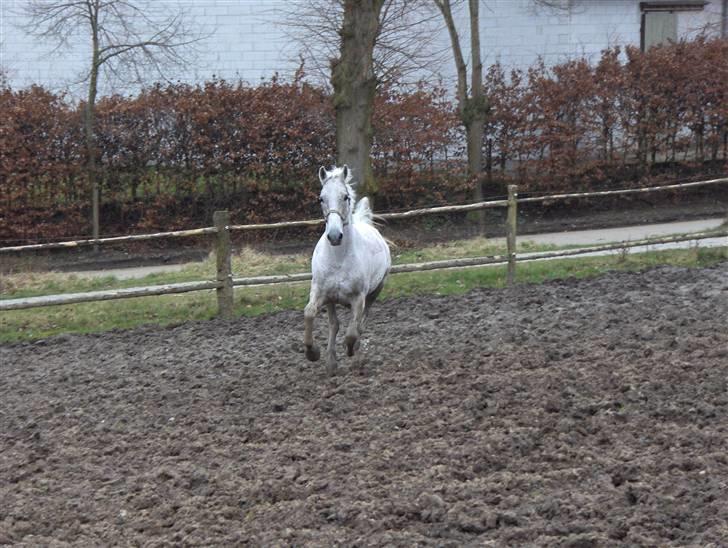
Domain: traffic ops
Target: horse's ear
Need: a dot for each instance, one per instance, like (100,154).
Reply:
(322,174)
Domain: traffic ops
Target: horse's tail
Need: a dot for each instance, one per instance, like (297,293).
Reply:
(363,212)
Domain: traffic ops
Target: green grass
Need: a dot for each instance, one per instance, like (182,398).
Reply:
(474,247)
(247,263)
(22,325)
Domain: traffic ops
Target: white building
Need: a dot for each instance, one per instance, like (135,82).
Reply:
(247,42)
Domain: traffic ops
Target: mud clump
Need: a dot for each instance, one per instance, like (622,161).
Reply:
(573,413)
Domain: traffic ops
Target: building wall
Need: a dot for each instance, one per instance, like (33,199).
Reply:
(245,43)
(518,33)
(248,43)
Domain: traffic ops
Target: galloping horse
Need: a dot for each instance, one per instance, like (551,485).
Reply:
(349,264)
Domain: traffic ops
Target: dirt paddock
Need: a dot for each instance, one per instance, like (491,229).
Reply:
(575,413)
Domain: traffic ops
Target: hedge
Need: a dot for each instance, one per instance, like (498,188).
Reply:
(173,154)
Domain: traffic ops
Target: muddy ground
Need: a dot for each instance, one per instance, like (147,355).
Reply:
(575,413)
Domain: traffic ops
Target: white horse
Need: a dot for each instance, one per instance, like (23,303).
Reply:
(349,264)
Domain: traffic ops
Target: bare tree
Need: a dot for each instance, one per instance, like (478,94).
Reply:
(354,82)
(3,72)
(405,46)
(472,104)
(129,40)
(717,28)
(356,46)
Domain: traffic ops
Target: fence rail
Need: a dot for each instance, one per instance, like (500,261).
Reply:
(465,262)
(624,191)
(225,282)
(114,240)
(112,294)
(384,216)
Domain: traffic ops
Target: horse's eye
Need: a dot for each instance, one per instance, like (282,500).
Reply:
(346,197)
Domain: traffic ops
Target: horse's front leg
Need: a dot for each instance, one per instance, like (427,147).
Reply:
(309,314)
(353,331)
(331,362)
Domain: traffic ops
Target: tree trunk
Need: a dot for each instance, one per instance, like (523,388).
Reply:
(475,131)
(472,105)
(475,107)
(352,76)
(90,130)
(91,171)
(478,110)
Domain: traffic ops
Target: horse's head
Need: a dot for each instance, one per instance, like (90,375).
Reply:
(337,201)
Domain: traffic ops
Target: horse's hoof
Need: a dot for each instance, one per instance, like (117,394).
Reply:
(331,370)
(351,345)
(313,353)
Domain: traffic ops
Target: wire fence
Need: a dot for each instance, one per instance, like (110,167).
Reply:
(225,281)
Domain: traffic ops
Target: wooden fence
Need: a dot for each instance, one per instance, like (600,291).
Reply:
(225,281)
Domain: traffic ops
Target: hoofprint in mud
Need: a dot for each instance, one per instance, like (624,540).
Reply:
(350,263)
(573,413)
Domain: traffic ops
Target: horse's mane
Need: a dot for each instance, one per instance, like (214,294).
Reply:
(363,212)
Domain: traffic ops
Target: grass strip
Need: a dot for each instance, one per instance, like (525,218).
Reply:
(33,324)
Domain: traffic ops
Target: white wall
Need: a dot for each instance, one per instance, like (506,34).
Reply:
(691,24)
(527,33)
(245,44)
(250,45)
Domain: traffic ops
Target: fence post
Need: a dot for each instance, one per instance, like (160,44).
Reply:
(511,233)
(223,251)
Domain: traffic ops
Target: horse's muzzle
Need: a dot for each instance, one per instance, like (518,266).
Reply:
(335,237)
